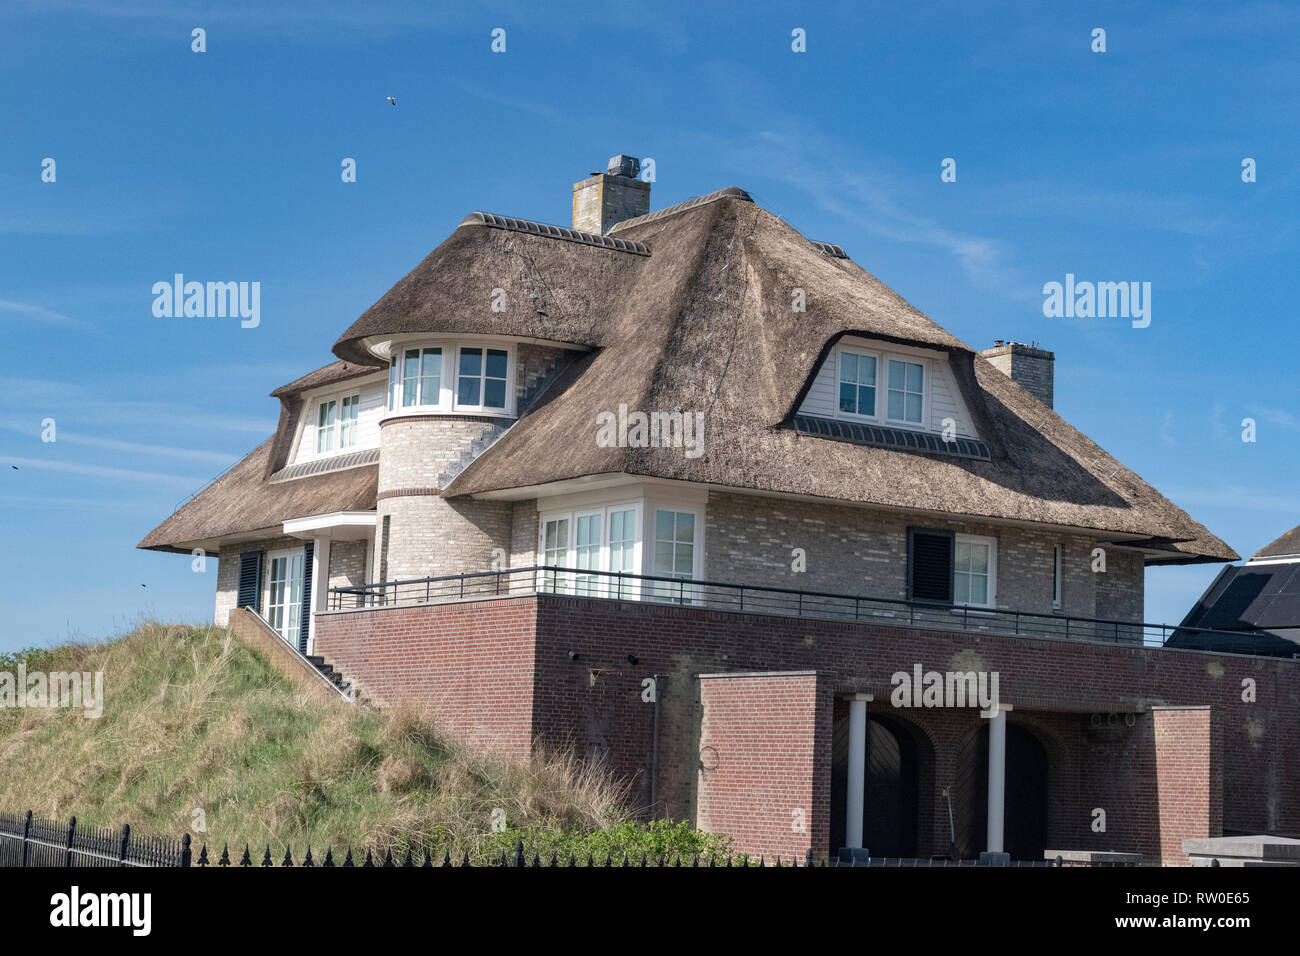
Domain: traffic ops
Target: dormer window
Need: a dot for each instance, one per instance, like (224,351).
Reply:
(906,391)
(450,378)
(336,423)
(482,379)
(858,384)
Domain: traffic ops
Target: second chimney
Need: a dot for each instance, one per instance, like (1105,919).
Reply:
(1027,366)
(603,200)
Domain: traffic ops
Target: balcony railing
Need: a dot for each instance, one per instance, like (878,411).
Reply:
(721,596)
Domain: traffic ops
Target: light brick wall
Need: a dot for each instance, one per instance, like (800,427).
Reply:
(1030,368)
(523,534)
(851,550)
(532,363)
(228,574)
(347,563)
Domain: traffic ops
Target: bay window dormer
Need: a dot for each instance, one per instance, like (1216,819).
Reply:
(451,377)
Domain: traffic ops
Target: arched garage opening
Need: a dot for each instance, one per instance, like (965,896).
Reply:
(1025,821)
(893,768)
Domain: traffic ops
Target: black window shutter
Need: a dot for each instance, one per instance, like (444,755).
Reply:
(929,565)
(304,624)
(250,579)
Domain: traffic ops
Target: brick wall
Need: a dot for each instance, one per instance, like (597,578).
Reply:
(1056,687)
(864,551)
(228,573)
(347,563)
(762,752)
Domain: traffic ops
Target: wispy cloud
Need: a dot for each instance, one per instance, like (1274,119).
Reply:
(100,471)
(36,315)
(134,448)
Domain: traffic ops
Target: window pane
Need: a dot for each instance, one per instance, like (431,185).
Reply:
(847,400)
(467,392)
(494,393)
(685,526)
(896,374)
(961,588)
(913,378)
(979,558)
(912,408)
(684,560)
(664,522)
(895,404)
(979,589)
(663,557)
(471,361)
(496,363)
(961,556)
(867,371)
(431,377)
(866,400)
(411,364)
(392,381)
(848,367)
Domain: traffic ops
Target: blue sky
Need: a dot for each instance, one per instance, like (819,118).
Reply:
(1123,165)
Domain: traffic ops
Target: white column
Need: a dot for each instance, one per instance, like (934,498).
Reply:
(857,769)
(320,586)
(997,779)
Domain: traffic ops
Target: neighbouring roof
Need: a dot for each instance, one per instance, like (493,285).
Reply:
(692,311)
(1288,544)
(1262,600)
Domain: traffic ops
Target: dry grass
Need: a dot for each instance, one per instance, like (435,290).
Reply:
(194,721)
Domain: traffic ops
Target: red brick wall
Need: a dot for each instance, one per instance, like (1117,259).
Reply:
(761,779)
(470,665)
(502,666)
(1189,783)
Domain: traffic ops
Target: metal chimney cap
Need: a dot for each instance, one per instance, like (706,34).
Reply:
(622,165)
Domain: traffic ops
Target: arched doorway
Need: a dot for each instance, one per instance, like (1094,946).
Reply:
(890,804)
(1025,819)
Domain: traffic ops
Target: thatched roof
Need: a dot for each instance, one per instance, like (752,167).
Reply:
(246,499)
(1288,544)
(689,309)
(705,324)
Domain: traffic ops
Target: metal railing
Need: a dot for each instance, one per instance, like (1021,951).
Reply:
(31,841)
(748,598)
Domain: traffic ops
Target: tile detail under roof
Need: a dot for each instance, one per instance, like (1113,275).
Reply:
(831,249)
(734,192)
(322,466)
(899,439)
(554,232)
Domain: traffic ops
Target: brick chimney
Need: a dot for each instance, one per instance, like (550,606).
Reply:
(1026,365)
(603,200)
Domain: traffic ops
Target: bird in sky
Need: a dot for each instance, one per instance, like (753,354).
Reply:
(391,100)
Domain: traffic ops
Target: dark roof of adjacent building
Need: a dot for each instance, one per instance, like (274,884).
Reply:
(1285,546)
(1260,600)
(695,313)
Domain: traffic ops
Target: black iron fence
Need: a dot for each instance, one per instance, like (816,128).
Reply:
(721,596)
(33,841)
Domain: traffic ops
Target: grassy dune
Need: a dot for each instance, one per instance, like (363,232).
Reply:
(194,720)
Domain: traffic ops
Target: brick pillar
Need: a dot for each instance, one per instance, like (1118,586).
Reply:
(1189,778)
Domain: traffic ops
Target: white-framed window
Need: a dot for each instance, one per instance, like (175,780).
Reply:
(857,393)
(595,541)
(415,378)
(482,378)
(974,580)
(284,593)
(336,423)
(1057,561)
(674,553)
(905,400)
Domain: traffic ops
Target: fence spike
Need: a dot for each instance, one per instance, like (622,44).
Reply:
(266,860)
(225,856)
(288,860)
(808,857)
(348,861)
(760,861)
(466,862)
(306,860)
(695,861)
(407,863)
(203,856)
(446,856)
(778,861)
(329,857)
(247,860)
(572,862)
(519,853)
(428,861)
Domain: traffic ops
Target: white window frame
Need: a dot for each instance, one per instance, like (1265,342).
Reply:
(603,586)
(686,595)
(335,429)
(480,408)
(397,380)
(992,544)
(271,557)
(1058,592)
(924,423)
(861,353)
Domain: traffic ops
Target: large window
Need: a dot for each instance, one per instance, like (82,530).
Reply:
(906,391)
(591,543)
(973,571)
(858,384)
(482,377)
(674,553)
(336,423)
(284,600)
(421,378)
